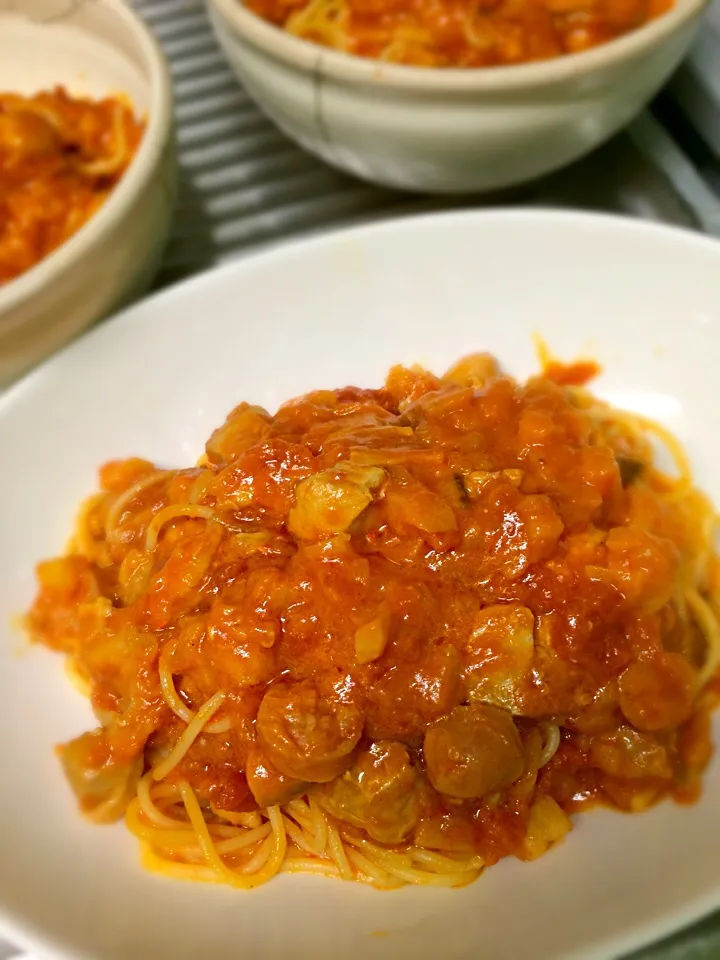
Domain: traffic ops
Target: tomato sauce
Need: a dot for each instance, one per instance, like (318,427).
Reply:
(437,607)
(59,159)
(460,33)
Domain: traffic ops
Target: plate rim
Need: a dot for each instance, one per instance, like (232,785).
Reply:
(317,240)
(26,935)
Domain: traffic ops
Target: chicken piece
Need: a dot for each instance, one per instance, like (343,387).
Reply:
(474,751)
(406,384)
(245,426)
(473,371)
(598,713)
(379,793)
(328,502)
(446,830)
(307,732)
(627,753)
(174,588)
(411,506)
(499,654)
(240,644)
(409,696)
(68,586)
(643,566)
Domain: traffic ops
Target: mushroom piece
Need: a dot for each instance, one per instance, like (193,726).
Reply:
(379,793)
(307,733)
(474,751)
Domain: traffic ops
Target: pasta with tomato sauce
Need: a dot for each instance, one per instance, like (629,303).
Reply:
(459,33)
(390,635)
(60,157)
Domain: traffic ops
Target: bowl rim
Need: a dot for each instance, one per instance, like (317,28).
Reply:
(146,160)
(324,61)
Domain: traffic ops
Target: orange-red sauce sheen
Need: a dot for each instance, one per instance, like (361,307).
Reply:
(48,190)
(468,33)
(479,545)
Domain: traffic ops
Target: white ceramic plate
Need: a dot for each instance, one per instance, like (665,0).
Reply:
(644,300)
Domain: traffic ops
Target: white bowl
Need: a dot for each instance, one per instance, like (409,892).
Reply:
(341,309)
(449,130)
(94,49)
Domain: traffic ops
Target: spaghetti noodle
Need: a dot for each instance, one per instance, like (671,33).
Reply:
(60,157)
(390,635)
(459,33)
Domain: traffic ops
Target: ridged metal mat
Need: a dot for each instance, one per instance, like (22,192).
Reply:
(243,184)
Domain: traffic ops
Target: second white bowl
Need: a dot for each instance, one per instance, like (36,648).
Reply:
(449,130)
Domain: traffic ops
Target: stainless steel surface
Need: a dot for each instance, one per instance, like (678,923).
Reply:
(696,88)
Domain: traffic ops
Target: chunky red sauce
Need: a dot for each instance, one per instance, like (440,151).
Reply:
(460,33)
(59,159)
(402,593)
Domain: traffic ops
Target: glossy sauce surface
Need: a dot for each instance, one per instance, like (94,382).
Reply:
(460,33)
(401,593)
(59,159)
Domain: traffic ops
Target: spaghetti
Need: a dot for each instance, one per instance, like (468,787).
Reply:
(459,33)
(60,157)
(390,635)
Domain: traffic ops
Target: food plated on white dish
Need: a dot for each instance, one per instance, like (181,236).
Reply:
(409,292)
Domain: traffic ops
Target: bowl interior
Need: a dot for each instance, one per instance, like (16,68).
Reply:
(644,301)
(90,55)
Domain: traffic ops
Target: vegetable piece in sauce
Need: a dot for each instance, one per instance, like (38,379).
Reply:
(474,751)
(473,371)
(499,653)
(446,830)
(307,733)
(630,470)
(547,824)
(378,793)
(370,640)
